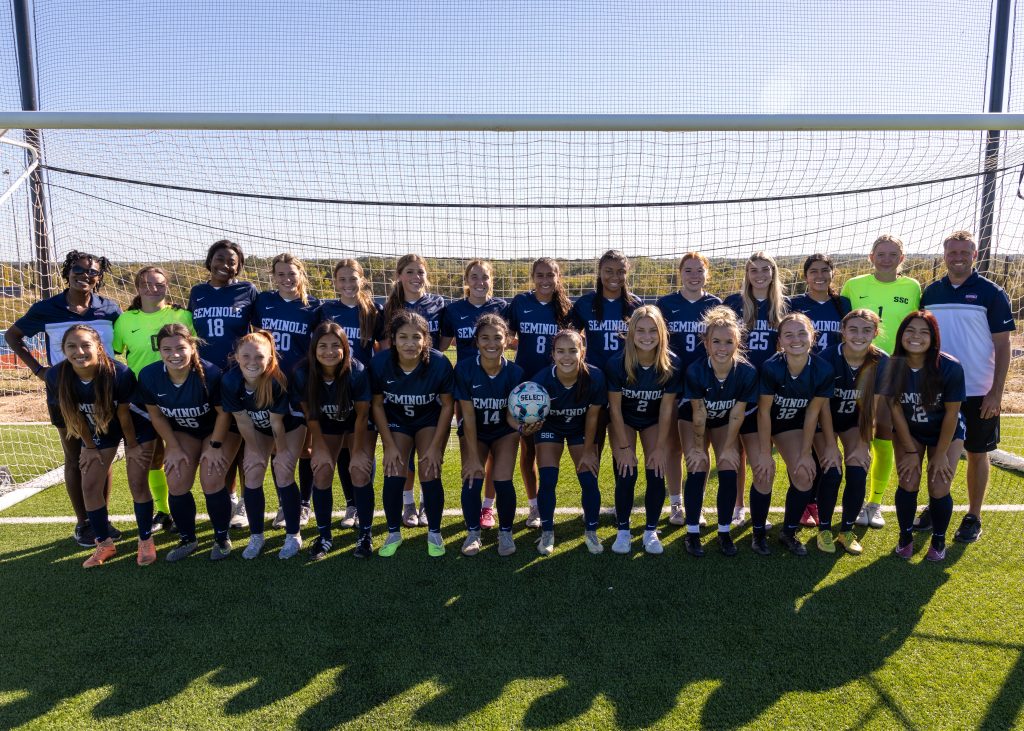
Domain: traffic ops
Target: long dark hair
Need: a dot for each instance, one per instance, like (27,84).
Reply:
(866,376)
(408,317)
(72,258)
(583,379)
(629,300)
(103,409)
(395,303)
(177,329)
(560,302)
(225,244)
(833,295)
(899,368)
(343,390)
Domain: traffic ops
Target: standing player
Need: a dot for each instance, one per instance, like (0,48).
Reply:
(893,296)
(535,317)
(975,320)
(79,303)
(684,315)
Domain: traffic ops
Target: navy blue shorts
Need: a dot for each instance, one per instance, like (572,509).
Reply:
(551,437)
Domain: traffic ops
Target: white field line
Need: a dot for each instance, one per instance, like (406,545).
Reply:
(70,519)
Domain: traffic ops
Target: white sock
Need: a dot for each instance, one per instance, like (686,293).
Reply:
(533,502)
(407,498)
(675,499)
(488,502)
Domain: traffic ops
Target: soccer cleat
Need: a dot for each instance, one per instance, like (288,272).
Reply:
(184,549)
(435,545)
(410,518)
(622,542)
(739,517)
(969,530)
(935,554)
(486,517)
(825,541)
(349,521)
(84,535)
(292,546)
(875,519)
(471,546)
(364,547)
(146,553)
(848,540)
(421,517)
(221,552)
(279,519)
(864,516)
(726,545)
(533,517)
(506,543)
(304,512)
(792,544)
(546,543)
(103,551)
(592,542)
(239,519)
(391,544)
(702,521)
(810,516)
(318,550)
(693,546)
(676,515)
(905,552)
(923,522)
(254,546)
(160,520)
(652,544)
(759,545)
(114,533)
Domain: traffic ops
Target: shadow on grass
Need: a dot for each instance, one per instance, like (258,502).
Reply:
(635,630)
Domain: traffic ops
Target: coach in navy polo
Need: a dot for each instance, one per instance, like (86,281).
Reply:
(975,322)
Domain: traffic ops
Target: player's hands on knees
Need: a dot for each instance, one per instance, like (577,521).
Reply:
(625,460)
(697,460)
(430,463)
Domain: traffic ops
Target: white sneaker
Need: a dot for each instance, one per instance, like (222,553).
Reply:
(533,518)
(652,544)
(546,543)
(702,521)
(592,542)
(279,519)
(471,546)
(676,515)
(739,517)
(875,519)
(506,543)
(622,542)
(254,546)
(864,516)
(239,519)
(349,521)
(304,512)
(292,546)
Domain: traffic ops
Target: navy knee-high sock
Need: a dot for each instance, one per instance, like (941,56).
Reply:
(726,496)
(433,497)
(218,505)
(100,523)
(183,510)
(363,496)
(291,504)
(654,499)
(906,506)
(759,505)
(941,509)
(625,491)
(471,502)
(255,506)
(816,483)
(796,502)
(323,504)
(828,494)
(505,501)
(345,477)
(693,496)
(591,499)
(546,483)
(305,480)
(392,500)
(144,519)
(853,495)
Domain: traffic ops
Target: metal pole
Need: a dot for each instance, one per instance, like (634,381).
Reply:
(1000,50)
(29,102)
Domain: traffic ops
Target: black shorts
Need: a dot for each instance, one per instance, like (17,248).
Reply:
(982,434)
(749,425)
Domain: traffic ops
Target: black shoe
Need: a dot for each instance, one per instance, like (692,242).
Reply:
(84,535)
(759,545)
(792,544)
(923,522)
(364,547)
(163,521)
(725,545)
(319,550)
(693,547)
(114,533)
(969,530)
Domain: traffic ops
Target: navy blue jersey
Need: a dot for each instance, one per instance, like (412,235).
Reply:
(568,415)
(85,395)
(792,394)
(763,340)
(825,316)
(348,318)
(641,399)
(412,401)
(603,334)
(489,394)
(189,406)
(52,318)
(221,315)
(844,402)
(925,420)
(431,306)
(236,397)
(330,419)
(289,322)
(459,321)
(685,326)
(719,396)
(534,323)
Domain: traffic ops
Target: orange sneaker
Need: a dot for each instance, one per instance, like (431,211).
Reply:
(104,551)
(147,552)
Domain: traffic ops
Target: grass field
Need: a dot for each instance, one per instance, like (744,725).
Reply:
(574,640)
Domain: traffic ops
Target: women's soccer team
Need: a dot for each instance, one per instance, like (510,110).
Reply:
(240,381)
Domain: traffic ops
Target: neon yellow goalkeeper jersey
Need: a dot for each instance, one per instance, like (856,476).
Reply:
(891,300)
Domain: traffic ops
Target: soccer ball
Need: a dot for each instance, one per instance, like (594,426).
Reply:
(529,403)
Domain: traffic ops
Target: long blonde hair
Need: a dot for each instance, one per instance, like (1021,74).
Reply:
(776,303)
(662,358)
(367,309)
(264,395)
(396,300)
(302,286)
(722,317)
